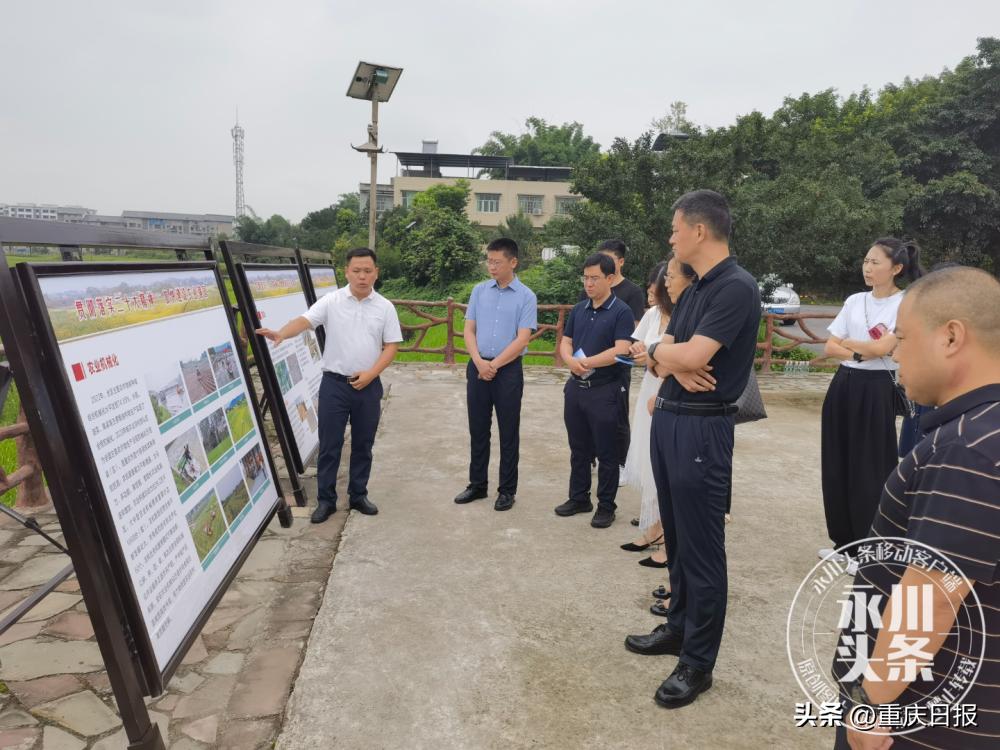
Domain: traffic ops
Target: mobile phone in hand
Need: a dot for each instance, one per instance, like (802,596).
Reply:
(877,332)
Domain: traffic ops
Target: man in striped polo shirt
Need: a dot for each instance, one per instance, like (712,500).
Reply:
(945,494)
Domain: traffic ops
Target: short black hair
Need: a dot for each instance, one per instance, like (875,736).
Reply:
(601,260)
(706,207)
(360,252)
(613,246)
(505,245)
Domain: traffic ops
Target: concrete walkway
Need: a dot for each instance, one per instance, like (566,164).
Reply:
(448,626)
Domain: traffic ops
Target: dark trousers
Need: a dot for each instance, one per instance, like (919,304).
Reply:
(692,460)
(591,416)
(339,403)
(502,394)
(623,436)
(858,441)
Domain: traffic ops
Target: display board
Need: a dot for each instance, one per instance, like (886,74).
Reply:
(171,435)
(323,280)
(276,296)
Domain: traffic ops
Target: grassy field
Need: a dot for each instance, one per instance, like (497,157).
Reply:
(437,335)
(240,422)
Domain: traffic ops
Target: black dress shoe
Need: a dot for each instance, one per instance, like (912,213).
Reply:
(660,592)
(661,641)
(683,685)
(649,562)
(323,511)
(469,494)
(364,505)
(572,507)
(504,502)
(603,518)
(659,609)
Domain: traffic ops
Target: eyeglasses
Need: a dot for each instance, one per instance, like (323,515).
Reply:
(591,279)
(495,263)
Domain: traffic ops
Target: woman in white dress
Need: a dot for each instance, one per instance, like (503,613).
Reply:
(667,281)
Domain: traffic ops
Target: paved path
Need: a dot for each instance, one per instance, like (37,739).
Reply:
(449,626)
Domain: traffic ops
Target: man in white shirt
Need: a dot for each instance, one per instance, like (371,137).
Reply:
(362,338)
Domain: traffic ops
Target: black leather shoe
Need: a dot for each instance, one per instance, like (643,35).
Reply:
(572,507)
(683,685)
(602,518)
(660,609)
(323,511)
(504,502)
(469,494)
(649,562)
(364,505)
(661,641)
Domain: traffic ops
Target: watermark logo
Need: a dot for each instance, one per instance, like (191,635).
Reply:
(835,620)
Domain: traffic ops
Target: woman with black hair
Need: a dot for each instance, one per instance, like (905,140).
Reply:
(667,281)
(859,420)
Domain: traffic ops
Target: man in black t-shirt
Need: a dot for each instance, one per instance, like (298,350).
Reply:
(705,358)
(633,296)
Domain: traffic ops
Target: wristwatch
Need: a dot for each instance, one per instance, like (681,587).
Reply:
(651,350)
(858,357)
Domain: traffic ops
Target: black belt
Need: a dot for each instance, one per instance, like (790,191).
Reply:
(696,409)
(593,382)
(338,376)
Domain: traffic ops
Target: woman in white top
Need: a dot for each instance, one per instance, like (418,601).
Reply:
(858,430)
(666,283)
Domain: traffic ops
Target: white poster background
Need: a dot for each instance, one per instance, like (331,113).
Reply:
(297,361)
(173,578)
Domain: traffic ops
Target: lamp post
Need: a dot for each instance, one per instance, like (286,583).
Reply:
(374,83)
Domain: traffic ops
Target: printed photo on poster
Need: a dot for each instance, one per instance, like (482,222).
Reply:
(207,526)
(198,377)
(234,494)
(187,461)
(254,470)
(239,417)
(224,364)
(167,395)
(215,436)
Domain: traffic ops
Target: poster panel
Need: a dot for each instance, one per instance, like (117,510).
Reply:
(278,297)
(161,394)
(324,279)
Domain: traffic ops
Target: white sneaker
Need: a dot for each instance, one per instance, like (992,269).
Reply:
(852,566)
(826,553)
(621,476)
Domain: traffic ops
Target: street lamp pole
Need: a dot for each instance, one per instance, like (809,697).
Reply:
(373,82)
(373,155)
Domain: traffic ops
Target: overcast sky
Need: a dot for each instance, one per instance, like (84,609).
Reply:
(128,105)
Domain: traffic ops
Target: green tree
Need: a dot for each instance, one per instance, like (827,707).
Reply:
(519,228)
(542,145)
(437,244)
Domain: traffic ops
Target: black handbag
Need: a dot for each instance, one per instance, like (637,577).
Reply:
(750,404)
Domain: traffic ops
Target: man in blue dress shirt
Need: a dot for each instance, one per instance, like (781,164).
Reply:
(501,315)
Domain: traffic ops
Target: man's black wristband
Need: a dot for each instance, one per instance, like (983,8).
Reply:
(858,357)
(651,350)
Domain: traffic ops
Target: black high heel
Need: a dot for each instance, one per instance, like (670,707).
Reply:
(632,547)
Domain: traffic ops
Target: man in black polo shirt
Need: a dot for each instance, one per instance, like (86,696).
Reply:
(596,332)
(945,494)
(629,293)
(707,352)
